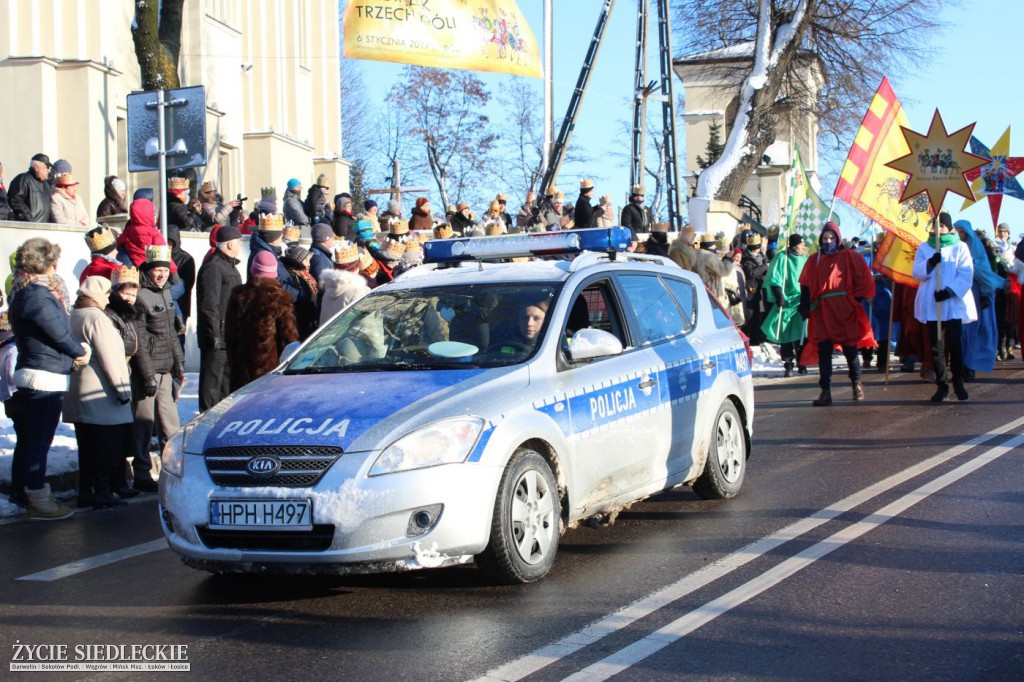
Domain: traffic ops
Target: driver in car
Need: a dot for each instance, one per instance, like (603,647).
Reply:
(529,322)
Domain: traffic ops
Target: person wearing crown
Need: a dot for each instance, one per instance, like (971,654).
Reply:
(161,359)
(755,269)
(270,238)
(584,213)
(181,210)
(213,210)
(342,285)
(634,215)
(102,247)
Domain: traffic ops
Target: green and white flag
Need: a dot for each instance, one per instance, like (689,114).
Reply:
(806,212)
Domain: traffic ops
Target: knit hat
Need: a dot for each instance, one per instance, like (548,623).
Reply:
(293,183)
(321,181)
(461,205)
(100,240)
(297,253)
(226,233)
(394,207)
(264,264)
(97,288)
(399,227)
(60,167)
(143,193)
(795,239)
(118,184)
(945,220)
(322,232)
(420,201)
(368,204)
(157,256)
(124,276)
(364,230)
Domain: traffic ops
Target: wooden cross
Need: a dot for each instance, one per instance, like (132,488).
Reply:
(397,189)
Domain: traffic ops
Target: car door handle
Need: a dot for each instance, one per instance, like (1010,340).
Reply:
(649,383)
(710,364)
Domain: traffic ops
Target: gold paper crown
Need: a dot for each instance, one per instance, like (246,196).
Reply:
(292,233)
(399,227)
(208,186)
(158,253)
(393,249)
(502,197)
(637,189)
(753,239)
(443,232)
(99,238)
(346,253)
(177,183)
(586,183)
(126,274)
(413,251)
(365,259)
(493,229)
(267,192)
(559,196)
(659,227)
(271,221)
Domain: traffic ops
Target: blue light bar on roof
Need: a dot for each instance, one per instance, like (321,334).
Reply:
(602,239)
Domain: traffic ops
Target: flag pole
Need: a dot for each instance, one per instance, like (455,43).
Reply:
(831,207)
(938,287)
(888,343)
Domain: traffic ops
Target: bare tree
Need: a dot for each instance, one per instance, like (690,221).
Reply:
(523,140)
(359,135)
(156,32)
(849,44)
(445,108)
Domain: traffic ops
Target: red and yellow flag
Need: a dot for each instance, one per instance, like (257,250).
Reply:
(873,188)
(479,35)
(895,259)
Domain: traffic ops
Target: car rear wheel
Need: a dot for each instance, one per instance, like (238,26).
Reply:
(525,524)
(727,457)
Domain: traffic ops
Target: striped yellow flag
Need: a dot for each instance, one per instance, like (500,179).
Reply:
(873,188)
(478,35)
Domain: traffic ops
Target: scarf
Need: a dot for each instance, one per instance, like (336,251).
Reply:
(944,239)
(307,278)
(53,283)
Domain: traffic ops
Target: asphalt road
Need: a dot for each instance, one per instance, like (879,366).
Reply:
(876,540)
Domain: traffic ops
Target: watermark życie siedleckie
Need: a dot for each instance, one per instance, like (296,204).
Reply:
(99,657)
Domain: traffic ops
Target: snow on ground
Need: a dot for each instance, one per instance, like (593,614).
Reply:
(63,455)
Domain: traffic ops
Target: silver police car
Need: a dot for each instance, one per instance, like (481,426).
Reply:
(469,411)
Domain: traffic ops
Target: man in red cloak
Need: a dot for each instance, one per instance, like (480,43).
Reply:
(832,284)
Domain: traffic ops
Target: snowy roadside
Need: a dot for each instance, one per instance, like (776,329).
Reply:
(63,457)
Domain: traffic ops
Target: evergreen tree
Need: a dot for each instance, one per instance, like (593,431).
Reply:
(714,147)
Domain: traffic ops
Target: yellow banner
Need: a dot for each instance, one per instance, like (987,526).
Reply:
(895,259)
(479,35)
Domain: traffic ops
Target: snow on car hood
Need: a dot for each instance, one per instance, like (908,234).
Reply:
(337,409)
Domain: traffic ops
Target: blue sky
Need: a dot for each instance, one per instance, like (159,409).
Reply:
(973,78)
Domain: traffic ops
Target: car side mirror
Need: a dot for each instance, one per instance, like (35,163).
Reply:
(289,351)
(587,344)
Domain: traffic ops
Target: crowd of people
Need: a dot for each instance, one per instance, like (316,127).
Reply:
(109,359)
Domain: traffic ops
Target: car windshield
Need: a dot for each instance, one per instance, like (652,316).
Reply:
(453,327)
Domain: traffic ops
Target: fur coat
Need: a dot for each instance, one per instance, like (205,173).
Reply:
(340,288)
(259,323)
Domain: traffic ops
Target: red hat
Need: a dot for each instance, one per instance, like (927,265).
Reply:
(420,201)
(264,264)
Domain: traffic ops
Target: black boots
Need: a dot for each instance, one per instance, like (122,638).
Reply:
(941,391)
(959,390)
(825,398)
(787,369)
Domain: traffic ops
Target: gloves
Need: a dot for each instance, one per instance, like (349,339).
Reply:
(804,310)
(934,260)
(943,294)
(83,359)
(149,388)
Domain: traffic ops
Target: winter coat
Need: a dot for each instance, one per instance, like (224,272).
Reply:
(112,203)
(735,286)
(755,267)
(711,269)
(307,316)
(340,289)
(524,216)
(322,261)
(957,274)
(46,345)
(385,219)
(140,232)
(655,246)
(344,224)
(635,218)
(214,213)
(683,253)
(186,265)
(29,198)
(315,205)
(5,207)
(123,316)
(218,277)
(156,328)
(293,210)
(584,215)
(103,265)
(260,322)
(100,392)
(835,283)
(68,210)
(257,244)
(604,216)
(420,220)
(461,223)
(182,216)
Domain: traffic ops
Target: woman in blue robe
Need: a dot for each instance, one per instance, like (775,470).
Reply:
(981,338)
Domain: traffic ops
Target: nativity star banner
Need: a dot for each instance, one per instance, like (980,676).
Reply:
(478,35)
(998,177)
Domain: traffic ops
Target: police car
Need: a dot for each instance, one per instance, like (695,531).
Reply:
(469,411)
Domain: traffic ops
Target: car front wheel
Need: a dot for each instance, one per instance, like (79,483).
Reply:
(727,457)
(525,524)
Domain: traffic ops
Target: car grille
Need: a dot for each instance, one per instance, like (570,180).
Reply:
(301,466)
(316,540)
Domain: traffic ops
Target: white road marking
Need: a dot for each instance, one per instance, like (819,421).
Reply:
(83,565)
(676,630)
(624,617)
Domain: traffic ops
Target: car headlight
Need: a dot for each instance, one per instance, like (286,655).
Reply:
(444,442)
(172,459)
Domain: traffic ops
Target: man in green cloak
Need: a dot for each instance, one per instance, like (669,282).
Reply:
(783,324)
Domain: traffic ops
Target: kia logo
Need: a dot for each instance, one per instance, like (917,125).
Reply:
(263,466)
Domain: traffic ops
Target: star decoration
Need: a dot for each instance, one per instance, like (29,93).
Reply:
(997,178)
(937,162)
